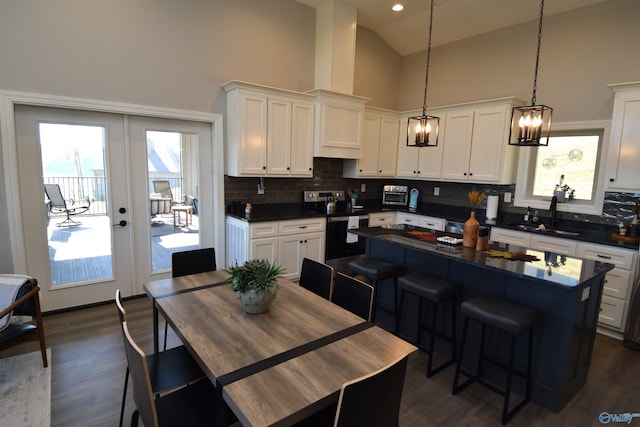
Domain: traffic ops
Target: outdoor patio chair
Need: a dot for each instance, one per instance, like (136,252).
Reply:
(59,205)
(162,188)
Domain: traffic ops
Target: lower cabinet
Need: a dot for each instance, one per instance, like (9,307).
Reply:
(378,219)
(284,242)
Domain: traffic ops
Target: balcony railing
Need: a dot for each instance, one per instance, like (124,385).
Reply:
(94,189)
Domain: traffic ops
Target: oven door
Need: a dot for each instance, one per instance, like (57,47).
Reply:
(337,245)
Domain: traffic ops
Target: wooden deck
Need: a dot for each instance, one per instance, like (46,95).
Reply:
(83,253)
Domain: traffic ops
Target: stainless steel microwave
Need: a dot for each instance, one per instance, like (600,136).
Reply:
(397,195)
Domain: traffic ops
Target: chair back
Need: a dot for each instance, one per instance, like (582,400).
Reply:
(193,261)
(374,399)
(353,295)
(54,194)
(163,187)
(139,370)
(316,277)
(121,311)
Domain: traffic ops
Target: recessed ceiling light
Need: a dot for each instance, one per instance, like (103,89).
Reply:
(397,7)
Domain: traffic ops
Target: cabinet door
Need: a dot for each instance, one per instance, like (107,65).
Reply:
(407,166)
(380,219)
(278,136)
(290,255)
(512,237)
(368,164)
(253,133)
(407,218)
(624,151)
(432,223)
(313,247)
(457,145)
(302,122)
(488,144)
(264,249)
(387,154)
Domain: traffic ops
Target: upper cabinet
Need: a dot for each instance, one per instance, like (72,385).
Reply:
(475,147)
(419,162)
(269,131)
(379,154)
(623,172)
(339,120)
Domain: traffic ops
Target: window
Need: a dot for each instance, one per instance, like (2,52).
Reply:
(572,160)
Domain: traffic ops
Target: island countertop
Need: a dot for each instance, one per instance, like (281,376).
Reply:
(549,268)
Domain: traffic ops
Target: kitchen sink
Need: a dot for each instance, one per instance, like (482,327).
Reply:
(526,227)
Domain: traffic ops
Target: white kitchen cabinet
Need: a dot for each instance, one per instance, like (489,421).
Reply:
(269,131)
(378,219)
(379,153)
(475,145)
(623,173)
(432,223)
(408,218)
(556,245)
(618,282)
(294,248)
(284,242)
(419,162)
(512,237)
(338,130)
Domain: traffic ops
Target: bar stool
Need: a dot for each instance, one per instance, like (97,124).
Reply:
(376,270)
(507,317)
(436,291)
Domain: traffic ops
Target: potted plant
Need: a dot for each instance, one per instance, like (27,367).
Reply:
(255,283)
(563,190)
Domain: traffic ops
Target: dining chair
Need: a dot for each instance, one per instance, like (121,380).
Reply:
(166,370)
(316,277)
(190,262)
(361,402)
(353,295)
(27,303)
(190,405)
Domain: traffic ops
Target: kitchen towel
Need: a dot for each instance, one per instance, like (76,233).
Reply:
(492,207)
(352,224)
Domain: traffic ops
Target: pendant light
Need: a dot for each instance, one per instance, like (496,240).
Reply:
(531,125)
(422,131)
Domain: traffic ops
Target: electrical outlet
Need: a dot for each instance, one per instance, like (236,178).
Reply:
(507,197)
(363,188)
(436,191)
(260,189)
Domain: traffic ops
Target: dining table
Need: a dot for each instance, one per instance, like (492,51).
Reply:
(278,367)
(176,285)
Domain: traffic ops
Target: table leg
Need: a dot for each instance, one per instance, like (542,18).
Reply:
(221,407)
(156,344)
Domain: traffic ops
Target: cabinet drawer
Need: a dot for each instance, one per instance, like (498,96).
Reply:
(554,244)
(258,230)
(622,258)
(617,283)
(611,311)
(407,218)
(432,223)
(377,220)
(512,237)
(298,226)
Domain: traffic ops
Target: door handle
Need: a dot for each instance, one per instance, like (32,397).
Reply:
(122,223)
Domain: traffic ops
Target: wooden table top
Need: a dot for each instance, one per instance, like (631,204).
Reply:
(175,285)
(305,344)
(290,391)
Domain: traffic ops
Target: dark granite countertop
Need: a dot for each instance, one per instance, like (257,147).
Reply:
(556,270)
(580,231)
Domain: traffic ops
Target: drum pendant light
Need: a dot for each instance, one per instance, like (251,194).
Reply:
(422,131)
(531,125)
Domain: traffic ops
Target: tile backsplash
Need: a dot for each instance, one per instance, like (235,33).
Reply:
(327,175)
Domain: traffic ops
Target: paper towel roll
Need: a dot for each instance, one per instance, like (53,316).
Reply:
(492,207)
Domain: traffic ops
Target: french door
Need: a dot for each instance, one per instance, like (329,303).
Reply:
(115,230)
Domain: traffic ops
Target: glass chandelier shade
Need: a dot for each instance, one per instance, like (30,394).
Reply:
(422,131)
(531,125)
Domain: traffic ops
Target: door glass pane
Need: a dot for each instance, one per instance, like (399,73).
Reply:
(173,195)
(78,224)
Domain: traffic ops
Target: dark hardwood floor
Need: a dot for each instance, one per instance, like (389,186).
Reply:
(88,366)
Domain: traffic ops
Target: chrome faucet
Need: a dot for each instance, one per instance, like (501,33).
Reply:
(554,211)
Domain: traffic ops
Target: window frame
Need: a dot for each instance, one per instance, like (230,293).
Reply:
(526,169)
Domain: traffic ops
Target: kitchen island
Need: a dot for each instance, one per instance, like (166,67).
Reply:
(566,292)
